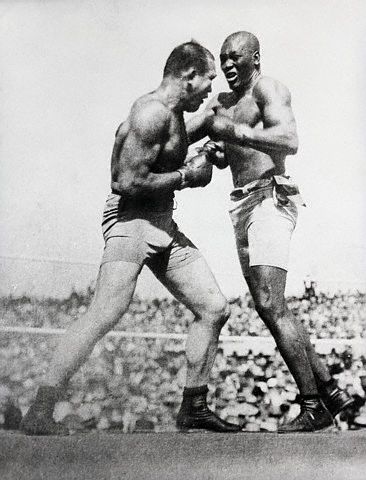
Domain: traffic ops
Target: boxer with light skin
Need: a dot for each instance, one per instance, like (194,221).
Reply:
(255,130)
(148,164)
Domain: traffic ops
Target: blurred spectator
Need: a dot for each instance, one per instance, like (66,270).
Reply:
(10,413)
(309,289)
(135,384)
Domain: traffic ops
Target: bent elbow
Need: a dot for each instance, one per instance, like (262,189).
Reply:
(292,146)
(292,150)
(127,186)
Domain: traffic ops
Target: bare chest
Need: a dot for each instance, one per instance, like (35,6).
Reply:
(174,149)
(244,110)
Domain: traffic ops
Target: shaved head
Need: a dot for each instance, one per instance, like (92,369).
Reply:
(244,39)
(240,59)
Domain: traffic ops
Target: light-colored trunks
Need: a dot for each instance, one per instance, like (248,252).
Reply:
(144,234)
(264,215)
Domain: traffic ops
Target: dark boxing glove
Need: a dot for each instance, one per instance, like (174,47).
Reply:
(196,172)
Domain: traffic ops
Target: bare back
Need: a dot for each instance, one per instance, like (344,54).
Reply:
(153,139)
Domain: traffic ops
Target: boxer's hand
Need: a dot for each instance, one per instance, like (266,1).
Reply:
(215,152)
(196,171)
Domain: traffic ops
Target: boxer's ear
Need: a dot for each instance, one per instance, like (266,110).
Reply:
(190,74)
(256,58)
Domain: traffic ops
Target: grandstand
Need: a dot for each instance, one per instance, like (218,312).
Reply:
(133,383)
(135,377)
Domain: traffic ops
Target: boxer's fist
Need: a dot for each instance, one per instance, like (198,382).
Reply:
(215,152)
(196,171)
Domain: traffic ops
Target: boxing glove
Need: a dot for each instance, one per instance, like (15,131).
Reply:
(196,171)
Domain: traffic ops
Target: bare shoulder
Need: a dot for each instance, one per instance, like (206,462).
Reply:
(149,117)
(268,89)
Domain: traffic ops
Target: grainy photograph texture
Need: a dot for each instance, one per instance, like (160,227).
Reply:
(182,244)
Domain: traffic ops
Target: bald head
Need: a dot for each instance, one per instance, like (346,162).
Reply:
(240,58)
(243,40)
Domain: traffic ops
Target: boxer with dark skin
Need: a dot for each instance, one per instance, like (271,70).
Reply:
(148,164)
(255,130)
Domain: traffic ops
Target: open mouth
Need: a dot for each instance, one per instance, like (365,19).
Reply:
(231,76)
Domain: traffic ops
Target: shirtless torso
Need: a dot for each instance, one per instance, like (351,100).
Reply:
(255,126)
(247,164)
(153,140)
(148,165)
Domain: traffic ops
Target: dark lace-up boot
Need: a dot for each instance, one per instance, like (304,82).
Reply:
(334,398)
(313,417)
(39,418)
(194,413)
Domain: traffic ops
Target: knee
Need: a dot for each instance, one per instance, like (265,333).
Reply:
(276,318)
(217,313)
(270,307)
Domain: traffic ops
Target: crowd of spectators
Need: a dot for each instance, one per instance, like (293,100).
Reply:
(134,384)
(340,315)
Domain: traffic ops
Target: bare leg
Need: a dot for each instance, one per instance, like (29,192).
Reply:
(195,286)
(320,371)
(333,397)
(267,286)
(115,287)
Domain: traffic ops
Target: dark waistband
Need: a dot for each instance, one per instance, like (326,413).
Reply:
(150,204)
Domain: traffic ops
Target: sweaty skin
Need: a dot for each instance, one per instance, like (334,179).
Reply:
(148,164)
(255,120)
(152,143)
(255,126)
(152,139)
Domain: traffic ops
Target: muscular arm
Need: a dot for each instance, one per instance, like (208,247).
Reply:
(278,134)
(199,127)
(137,151)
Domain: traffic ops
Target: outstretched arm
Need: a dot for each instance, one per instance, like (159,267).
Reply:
(198,126)
(278,134)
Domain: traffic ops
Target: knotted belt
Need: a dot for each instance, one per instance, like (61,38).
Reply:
(284,190)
